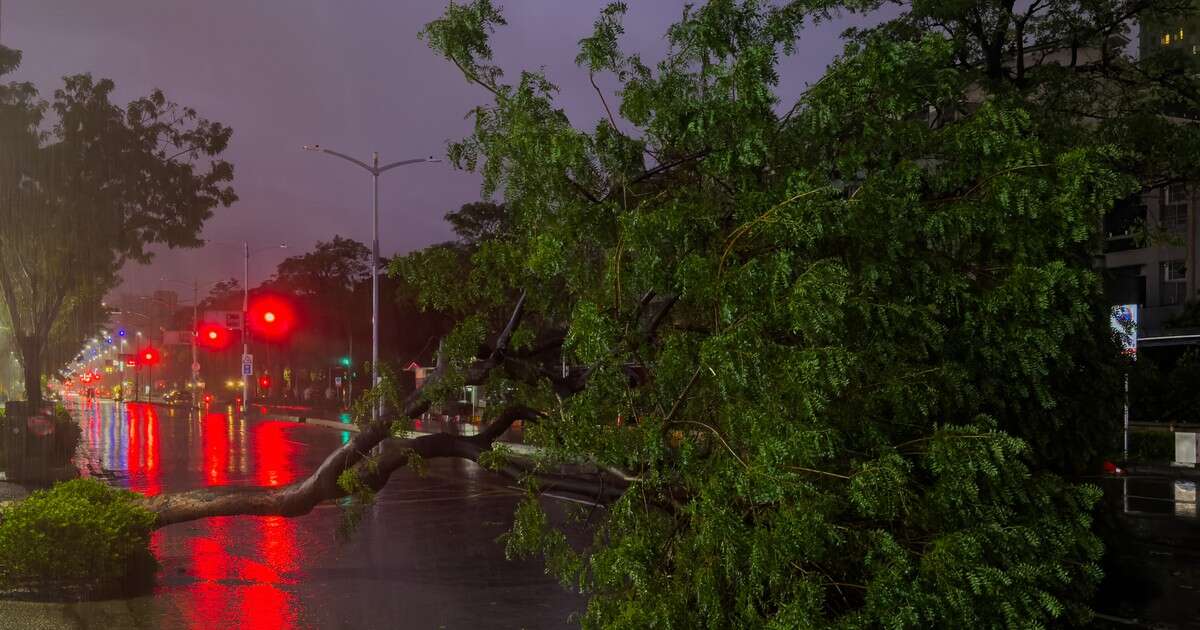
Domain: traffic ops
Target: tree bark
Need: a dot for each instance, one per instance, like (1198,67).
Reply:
(31,362)
(373,472)
(322,485)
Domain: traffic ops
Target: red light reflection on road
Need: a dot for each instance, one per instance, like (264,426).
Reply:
(214,439)
(142,455)
(241,567)
(273,454)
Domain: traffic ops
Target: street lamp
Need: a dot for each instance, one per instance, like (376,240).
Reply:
(375,170)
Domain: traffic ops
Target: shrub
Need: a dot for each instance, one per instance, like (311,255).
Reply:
(81,532)
(1152,447)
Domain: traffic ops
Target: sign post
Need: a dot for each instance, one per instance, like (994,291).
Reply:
(1124,322)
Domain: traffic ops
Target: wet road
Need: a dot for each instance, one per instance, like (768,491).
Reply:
(424,556)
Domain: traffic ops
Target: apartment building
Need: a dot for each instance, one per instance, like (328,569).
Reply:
(1150,250)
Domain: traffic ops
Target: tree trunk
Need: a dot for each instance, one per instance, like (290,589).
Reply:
(373,471)
(595,484)
(31,360)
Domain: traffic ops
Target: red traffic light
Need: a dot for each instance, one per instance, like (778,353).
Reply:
(213,336)
(264,382)
(149,356)
(272,318)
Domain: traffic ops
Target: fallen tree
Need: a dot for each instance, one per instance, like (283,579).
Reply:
(835,364)
(373,454)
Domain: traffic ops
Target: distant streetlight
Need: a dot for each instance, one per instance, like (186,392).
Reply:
(375,170)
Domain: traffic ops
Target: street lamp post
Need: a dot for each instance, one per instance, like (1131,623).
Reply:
(375,170)
(246,314)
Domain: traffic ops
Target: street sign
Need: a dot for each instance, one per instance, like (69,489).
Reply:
(247,365)
(337,381)
(229,319)
(1124,323)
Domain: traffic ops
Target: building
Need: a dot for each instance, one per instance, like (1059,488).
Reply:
(1150,247)
(1151,238)
(1181,33)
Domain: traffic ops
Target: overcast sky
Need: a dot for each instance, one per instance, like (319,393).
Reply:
(351,76)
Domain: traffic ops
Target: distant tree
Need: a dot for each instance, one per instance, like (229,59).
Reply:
(223,295)
(479,221)
(332,269)
(87,185)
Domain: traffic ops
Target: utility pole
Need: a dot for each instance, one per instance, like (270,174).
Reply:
(195,367)
(245,325)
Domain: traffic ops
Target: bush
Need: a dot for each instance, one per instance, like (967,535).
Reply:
(81,532)
(1152,447)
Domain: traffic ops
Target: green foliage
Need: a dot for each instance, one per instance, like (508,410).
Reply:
(1162,387)
(87,184)
(496,458)
(1152,447)
(884,351)
(77,532)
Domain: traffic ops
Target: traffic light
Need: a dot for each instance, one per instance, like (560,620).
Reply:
(213,336)
(149,356)
(264,381)
(272,318)
(345,361)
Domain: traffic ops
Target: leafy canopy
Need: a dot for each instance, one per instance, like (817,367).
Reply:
(87,185)
(846,349)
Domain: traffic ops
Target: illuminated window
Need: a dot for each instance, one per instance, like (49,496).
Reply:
(1166,39)
(1179,36)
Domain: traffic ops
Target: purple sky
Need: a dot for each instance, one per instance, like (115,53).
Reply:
(351,76)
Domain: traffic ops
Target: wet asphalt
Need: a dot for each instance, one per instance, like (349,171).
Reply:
(424,555)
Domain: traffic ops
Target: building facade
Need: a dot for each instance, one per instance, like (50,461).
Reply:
(1150,252)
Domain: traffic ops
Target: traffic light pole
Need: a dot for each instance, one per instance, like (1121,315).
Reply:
(195,333)
(245,324)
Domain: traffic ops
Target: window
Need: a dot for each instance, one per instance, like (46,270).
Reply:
(1177,193)
(1179,35)
(1173,286)
(1122,222)
(1173,216)
(1166,39)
